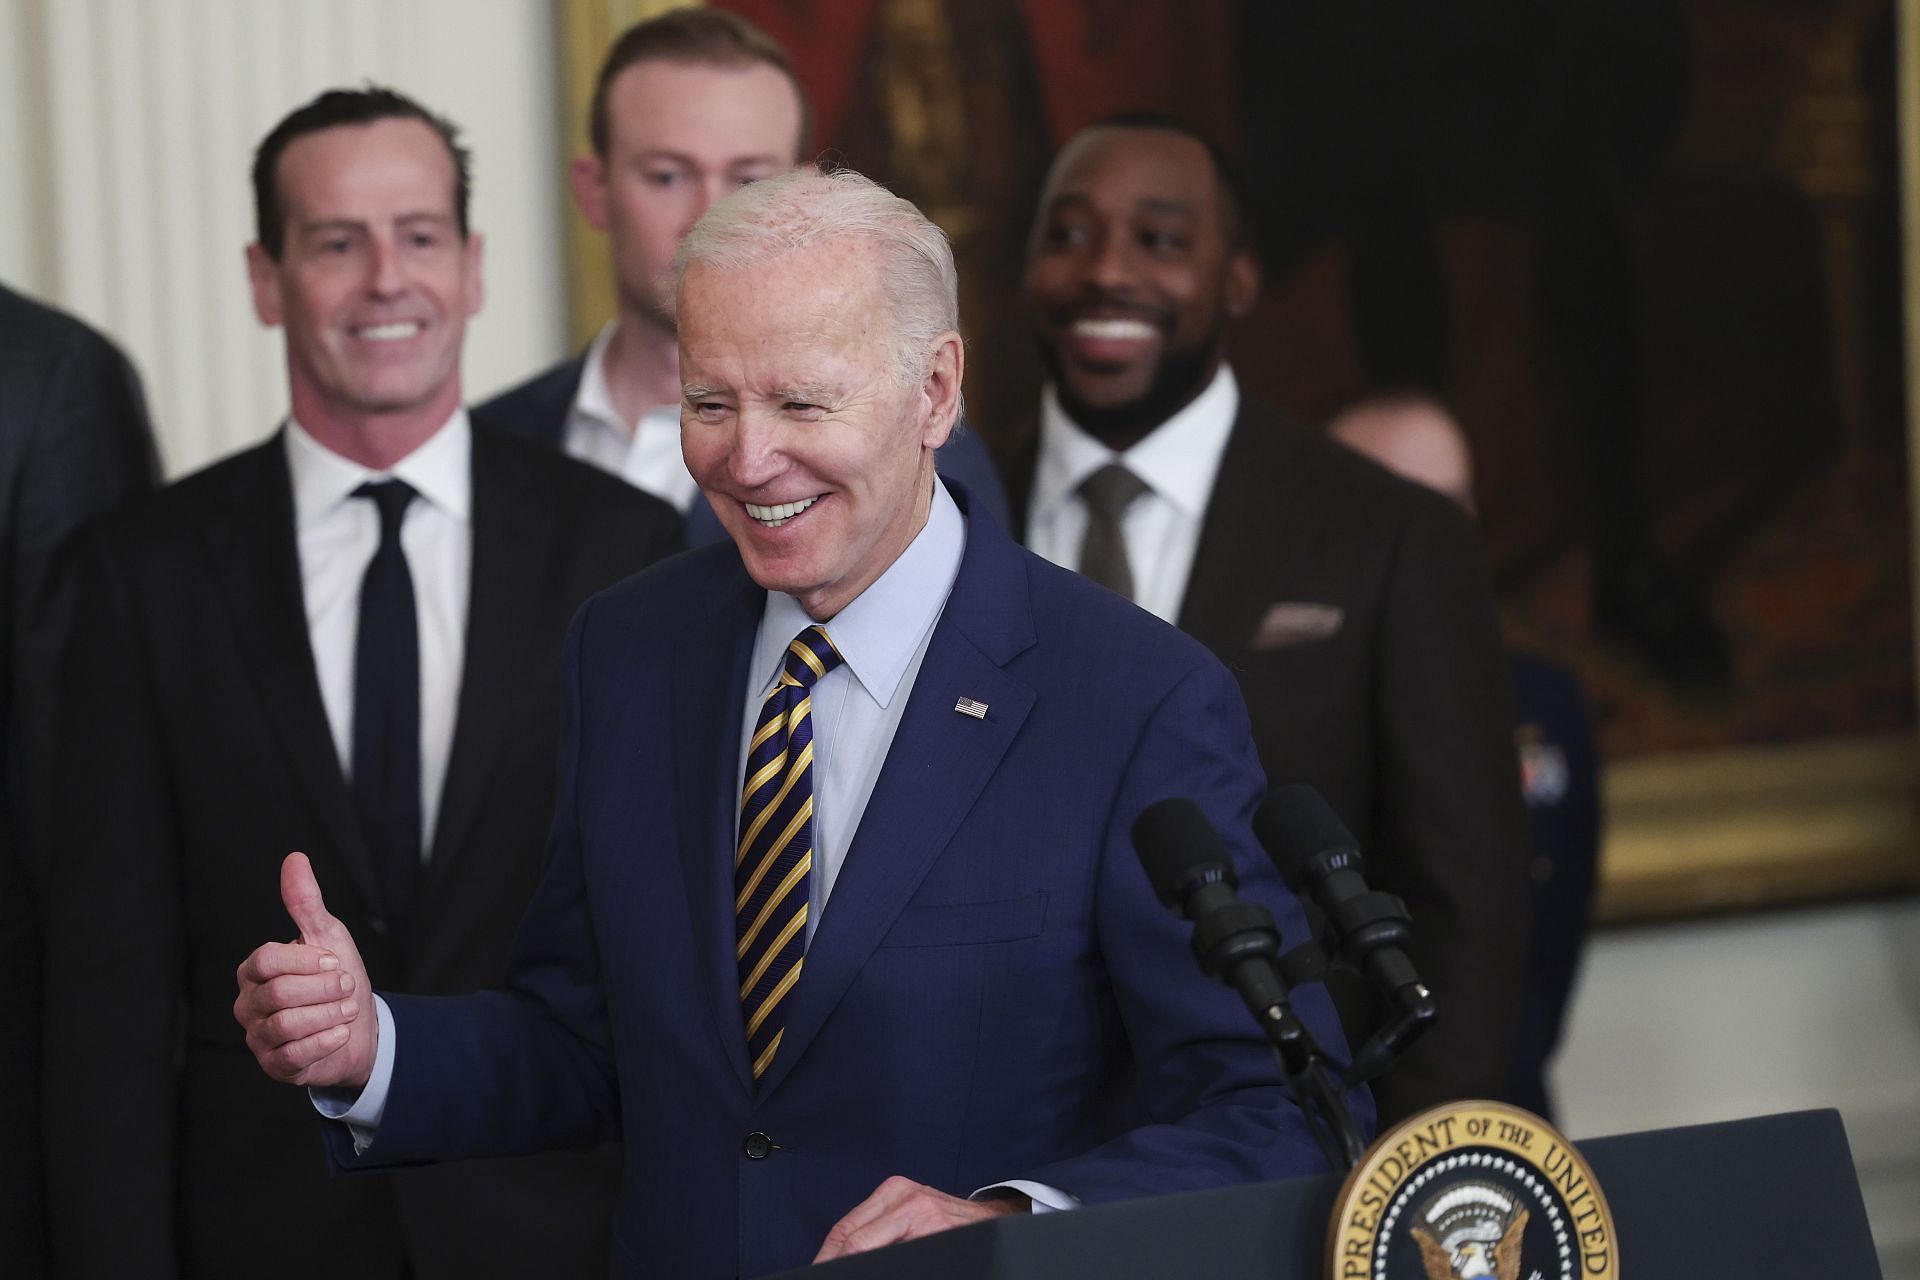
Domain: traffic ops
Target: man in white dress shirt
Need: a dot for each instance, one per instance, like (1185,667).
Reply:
(1352,606)
(687,107)
(344,640)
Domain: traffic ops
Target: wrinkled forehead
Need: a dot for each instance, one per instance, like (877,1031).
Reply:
(829,277)
(800,316)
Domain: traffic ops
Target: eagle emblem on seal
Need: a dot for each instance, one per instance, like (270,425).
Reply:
(1471,1229)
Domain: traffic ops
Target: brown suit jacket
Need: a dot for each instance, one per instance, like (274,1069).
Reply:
(1354,608)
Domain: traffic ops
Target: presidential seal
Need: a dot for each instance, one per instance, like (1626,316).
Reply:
(1472,1189)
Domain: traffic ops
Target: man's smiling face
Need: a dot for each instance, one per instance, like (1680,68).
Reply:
(815,452)
(374,283)
(1132,273)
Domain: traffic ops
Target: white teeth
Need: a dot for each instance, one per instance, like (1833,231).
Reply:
(775,516)
(388,332)
(1114,330)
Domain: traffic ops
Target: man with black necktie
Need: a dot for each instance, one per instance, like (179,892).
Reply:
(345,640)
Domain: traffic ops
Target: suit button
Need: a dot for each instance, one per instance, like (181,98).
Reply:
(758,1146)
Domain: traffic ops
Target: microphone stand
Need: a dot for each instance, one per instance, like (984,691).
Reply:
(1240,933)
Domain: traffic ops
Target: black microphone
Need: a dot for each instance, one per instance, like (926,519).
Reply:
(1234,941)
(1317,855)
(1237,942)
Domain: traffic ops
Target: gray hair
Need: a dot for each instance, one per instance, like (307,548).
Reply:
(804,207)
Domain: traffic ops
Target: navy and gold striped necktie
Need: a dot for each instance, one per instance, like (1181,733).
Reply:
(774,860)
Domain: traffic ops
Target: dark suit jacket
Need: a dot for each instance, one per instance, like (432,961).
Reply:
(202,756)
(992,992)
(536,410)
(1392,700)
(1560,774)
(73,442)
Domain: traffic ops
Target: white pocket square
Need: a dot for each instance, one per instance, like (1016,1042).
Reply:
(1298,622)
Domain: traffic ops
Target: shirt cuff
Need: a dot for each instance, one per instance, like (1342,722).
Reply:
(1045,1199)
(361,1113)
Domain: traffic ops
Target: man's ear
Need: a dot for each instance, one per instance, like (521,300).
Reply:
(476,278)
(263,274)
(588,174)
(1243,283)
(940,390)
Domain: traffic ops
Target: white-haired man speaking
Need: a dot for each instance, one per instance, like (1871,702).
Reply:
(840,931)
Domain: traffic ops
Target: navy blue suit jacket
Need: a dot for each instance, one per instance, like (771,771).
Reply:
(992,992)
(536,410)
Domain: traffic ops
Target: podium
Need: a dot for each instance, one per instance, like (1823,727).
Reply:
(1774,1196)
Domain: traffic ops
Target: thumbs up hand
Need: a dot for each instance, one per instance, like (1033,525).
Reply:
(306,1006)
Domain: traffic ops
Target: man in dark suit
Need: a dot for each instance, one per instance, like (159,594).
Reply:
(1351,605)
(1414,435)
(73,442)
(929,952)
(344,640)
(688,106)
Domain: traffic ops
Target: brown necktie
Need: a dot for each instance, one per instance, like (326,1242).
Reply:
(1108,493)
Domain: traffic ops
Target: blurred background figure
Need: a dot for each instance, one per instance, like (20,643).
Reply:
(687,107)
(1415,436)
(74,441)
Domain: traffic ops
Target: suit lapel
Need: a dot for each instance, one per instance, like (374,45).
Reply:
(512,539)
(709,699)
(936,769)
(1019,480)
(1257,507)
(258,558)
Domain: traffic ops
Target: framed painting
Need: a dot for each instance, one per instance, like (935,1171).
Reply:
(1662,261)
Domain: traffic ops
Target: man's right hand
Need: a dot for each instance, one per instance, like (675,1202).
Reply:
(306,1006)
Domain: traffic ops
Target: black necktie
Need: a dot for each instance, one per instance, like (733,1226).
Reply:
(386,712)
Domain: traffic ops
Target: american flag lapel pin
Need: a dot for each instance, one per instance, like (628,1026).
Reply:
(968,707)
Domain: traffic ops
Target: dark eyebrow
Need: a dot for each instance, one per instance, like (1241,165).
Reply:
(1146,204)
(1178,208)
(322,226)
(655,155)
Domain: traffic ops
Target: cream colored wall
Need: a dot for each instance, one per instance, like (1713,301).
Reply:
(18,266)
(138,121)
(1750,1015)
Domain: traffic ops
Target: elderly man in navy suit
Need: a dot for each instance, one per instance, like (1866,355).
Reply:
(841,931)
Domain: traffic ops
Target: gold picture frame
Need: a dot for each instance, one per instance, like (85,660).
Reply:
(1687,834)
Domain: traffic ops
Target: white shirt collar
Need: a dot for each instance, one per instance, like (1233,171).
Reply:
(1177,459)
(440,470)
(594,399)
(879,632)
